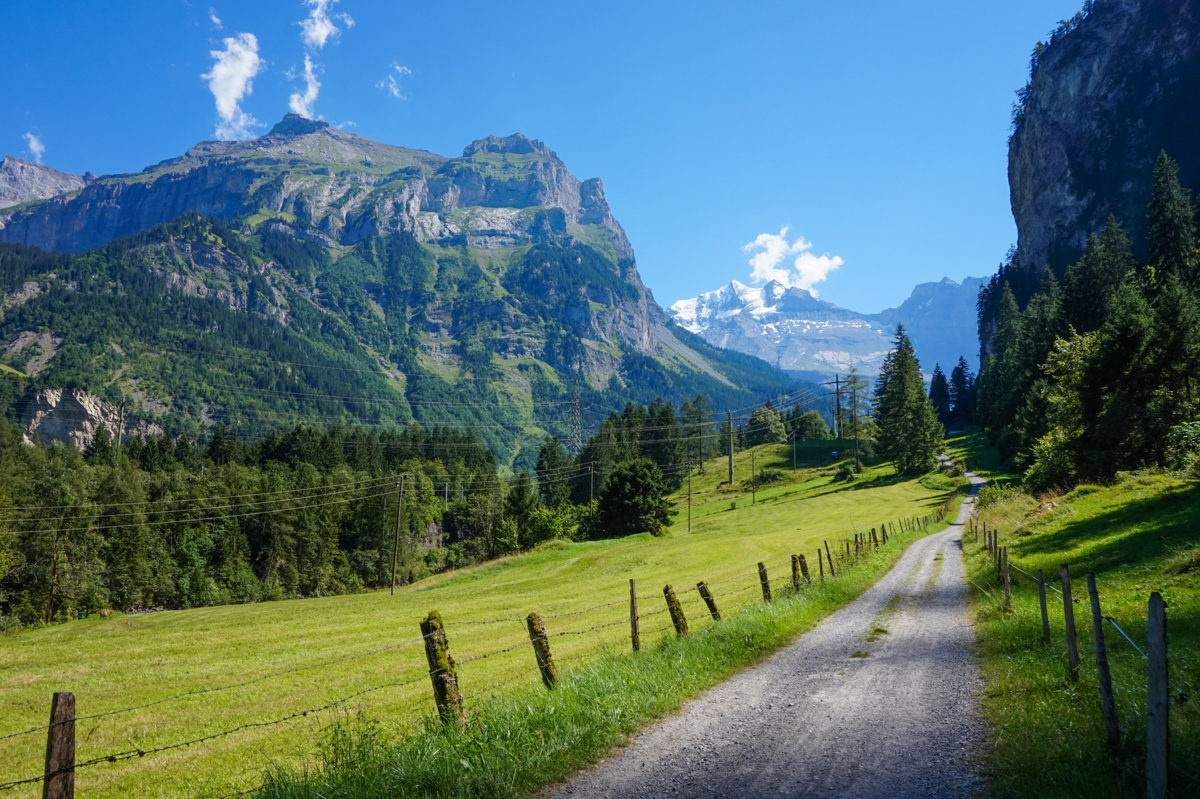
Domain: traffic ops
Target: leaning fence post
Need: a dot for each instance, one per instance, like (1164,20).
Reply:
(796,572)
(59,782)
(541,649)
(677,617)
(821,563)
(804,569)
(443,672)
(829,559)
(634,633)
(1158,700)
(1007,583)
(1108,706)
(707,596)
(1069,619)
(1042,602)
(766,584)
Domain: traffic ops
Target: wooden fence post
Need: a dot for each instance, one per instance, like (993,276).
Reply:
(804,570)
(443,672)
(1007,583)
(796,572)
(707,596)
(1108,706)
(634,633)
(1158,700)
(1069,618)
(766,584)
(677,617)
(541,649)
(821,563)
(1042,602)
(829,559)
(59,782)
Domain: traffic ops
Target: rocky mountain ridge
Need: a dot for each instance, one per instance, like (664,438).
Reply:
(812,338)
(25,181)
(1110,90)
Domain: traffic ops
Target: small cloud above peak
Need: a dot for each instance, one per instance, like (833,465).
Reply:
(230,80)
(769,251)
(318,27)
(36,148)
(391,83)
(212,14)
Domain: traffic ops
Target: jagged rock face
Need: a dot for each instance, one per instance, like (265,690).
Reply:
(70,416)
(810,337)
(324,182)
(25,181)
(1104,100)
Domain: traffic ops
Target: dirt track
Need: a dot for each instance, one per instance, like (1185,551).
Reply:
(814,720)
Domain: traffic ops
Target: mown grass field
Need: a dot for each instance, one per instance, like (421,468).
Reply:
(122,661)
(1138,535)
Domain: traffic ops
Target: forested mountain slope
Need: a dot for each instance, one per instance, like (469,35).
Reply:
(317,276)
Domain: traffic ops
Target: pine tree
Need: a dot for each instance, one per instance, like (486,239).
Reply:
(1090,282)
(552,465)
(1172,230)
(962,393)
(909,432)
(939,394)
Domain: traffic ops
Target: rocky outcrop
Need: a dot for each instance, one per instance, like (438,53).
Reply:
(25,181)
(810,338)
(338,185)
(1105,97)
(70,416)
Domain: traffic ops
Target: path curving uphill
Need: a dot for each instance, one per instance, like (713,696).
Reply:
(819,718)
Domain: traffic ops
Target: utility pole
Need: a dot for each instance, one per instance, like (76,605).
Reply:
(729,417)
(591,489)
(794,442)
(120,436)
(854,416)
(399,518)
(837,414)
(689,496)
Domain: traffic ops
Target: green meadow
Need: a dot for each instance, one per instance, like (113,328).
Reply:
(581,589)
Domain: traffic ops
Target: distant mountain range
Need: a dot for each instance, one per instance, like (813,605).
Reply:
(811,338)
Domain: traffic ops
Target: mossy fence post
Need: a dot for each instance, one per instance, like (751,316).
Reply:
(541,649)
(634,633)
(676,610)
(442,671)
(59,781)
(804,570)
(821,563)
(707,596)
(766,584)
(1108,705)
(796,572)
(1042,602)
(1069,623)
(1158,699)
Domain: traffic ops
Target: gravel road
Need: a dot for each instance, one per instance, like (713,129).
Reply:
(814,720)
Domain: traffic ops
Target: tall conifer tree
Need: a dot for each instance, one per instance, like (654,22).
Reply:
(909,431)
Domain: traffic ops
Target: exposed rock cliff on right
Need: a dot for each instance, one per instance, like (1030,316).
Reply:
(1106,95)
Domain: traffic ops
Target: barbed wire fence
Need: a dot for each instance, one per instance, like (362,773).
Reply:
(61,764)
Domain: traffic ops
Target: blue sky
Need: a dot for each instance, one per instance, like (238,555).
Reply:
(874,131)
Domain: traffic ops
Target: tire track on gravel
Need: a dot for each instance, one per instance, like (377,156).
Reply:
(814,720)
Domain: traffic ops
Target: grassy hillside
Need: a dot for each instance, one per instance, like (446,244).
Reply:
(1138,535)
(582,589)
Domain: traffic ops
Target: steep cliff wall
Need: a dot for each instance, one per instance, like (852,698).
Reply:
(25,181)
(1105,97)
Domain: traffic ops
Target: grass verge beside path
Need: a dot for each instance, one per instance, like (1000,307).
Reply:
(1138,536)
(520,741)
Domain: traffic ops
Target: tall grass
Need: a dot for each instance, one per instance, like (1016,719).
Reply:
(1048,737)
(519,741)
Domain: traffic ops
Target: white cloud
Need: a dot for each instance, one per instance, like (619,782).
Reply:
(302,104)
(318,28)
(770,251)
(212,14)
(391,84)
(36,148)
(230,80)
